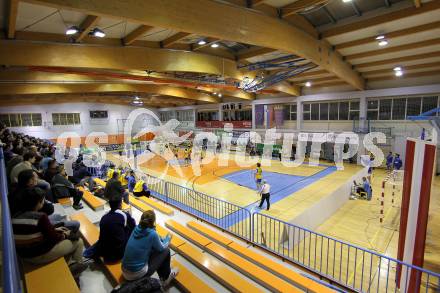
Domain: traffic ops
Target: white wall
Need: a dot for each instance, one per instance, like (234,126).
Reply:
(48,131)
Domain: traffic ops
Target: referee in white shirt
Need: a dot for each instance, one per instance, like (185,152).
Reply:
(265,194)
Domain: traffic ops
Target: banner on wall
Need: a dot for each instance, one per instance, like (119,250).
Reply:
(279,116)
(221,124)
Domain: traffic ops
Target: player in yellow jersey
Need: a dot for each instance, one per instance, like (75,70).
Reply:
(258,175)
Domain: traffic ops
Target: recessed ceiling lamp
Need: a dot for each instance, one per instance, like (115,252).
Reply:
(215,45)
(383,43)
(201,42)
(308,84)
(220,95)
(97,33)
(346,1)
(380,37)
(72,30)
(136,97)
(397,68)
(398,71)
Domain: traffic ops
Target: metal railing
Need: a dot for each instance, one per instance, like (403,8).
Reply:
(10,273)
(348,265)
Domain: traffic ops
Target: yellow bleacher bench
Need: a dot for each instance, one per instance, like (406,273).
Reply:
(65,202)
(259,259)
(94,202)
(157,205)
(256,273)
(54,277)
(100,182)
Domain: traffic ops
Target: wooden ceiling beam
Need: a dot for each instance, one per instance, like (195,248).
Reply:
(168,42)
(411,46)
(86,26)
(136,34)
(201,17)
(399,60)
(299,6)
(11,18)
(287,88)
(381,19)
(253,53)
(418,3)
(391,35)
(256,3)
(114,58)
(93,88)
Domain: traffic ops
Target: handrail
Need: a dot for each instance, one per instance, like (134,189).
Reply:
(11,277)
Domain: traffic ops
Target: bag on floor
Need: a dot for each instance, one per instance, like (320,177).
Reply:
(143,285)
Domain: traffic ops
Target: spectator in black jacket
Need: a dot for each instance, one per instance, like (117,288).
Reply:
(114,190)
(62,188)
(115,229)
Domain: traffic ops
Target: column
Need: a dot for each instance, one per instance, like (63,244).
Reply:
(220,112)
(253,116)
(299,114)
(363,114)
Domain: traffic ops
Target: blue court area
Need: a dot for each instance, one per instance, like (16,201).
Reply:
(277,181)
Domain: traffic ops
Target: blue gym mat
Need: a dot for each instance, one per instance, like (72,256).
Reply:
(277,181)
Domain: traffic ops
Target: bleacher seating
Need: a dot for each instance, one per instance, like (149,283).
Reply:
(94,202)
(65,202)
(259,259)
(186,279)
(54,277)
(256,273)
(157,205)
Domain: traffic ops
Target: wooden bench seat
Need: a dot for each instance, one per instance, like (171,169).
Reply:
(65,202)
(140,205)
(99,181)
(157,205)
(259,259)
(54,277)
(94,202)
(256,273)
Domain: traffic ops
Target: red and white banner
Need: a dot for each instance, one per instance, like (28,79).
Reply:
(419,169)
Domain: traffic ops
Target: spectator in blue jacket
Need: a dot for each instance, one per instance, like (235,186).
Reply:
(390,159)
(397,162)
(146,252)
(131,181)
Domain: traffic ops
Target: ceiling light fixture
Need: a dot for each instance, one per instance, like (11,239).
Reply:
(380,37)
(97,33)
(72,30)
(220,95)
(383,43)
(308,84)
(215,45)
(397,68)
(136,98)
(201,42)
(346,1)
(398,73)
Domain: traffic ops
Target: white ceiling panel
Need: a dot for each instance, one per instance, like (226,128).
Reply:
(413,38)
(387,27)
(429,49)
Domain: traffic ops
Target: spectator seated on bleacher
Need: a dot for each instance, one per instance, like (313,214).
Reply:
(115,228)
(110,171)
(51,170)
(48,156)
(27,180)
(131,179)
(62,188)
(14,161)
(81,175)
(146,252)
(123,177)
(39,242)
(114,191)
(141,189)
(29,159)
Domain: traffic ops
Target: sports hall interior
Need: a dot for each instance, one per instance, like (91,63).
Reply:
(233,68)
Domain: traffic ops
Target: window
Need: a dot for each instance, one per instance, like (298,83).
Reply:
(293,112)
(290,112)
(66,119)
(343,110)
(21,119)
(354,110)
(314,111)
(186,115)
(333,112)
(385,109)
(413,106)
(306,111)
(323,111)
(373,110)
(399,106)
(429,103)
(98,114)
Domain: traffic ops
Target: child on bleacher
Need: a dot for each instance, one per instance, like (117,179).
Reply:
(39,242)
(115,228)
(146,252)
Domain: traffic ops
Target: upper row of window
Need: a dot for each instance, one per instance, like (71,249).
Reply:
(34,119)
(377,109)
